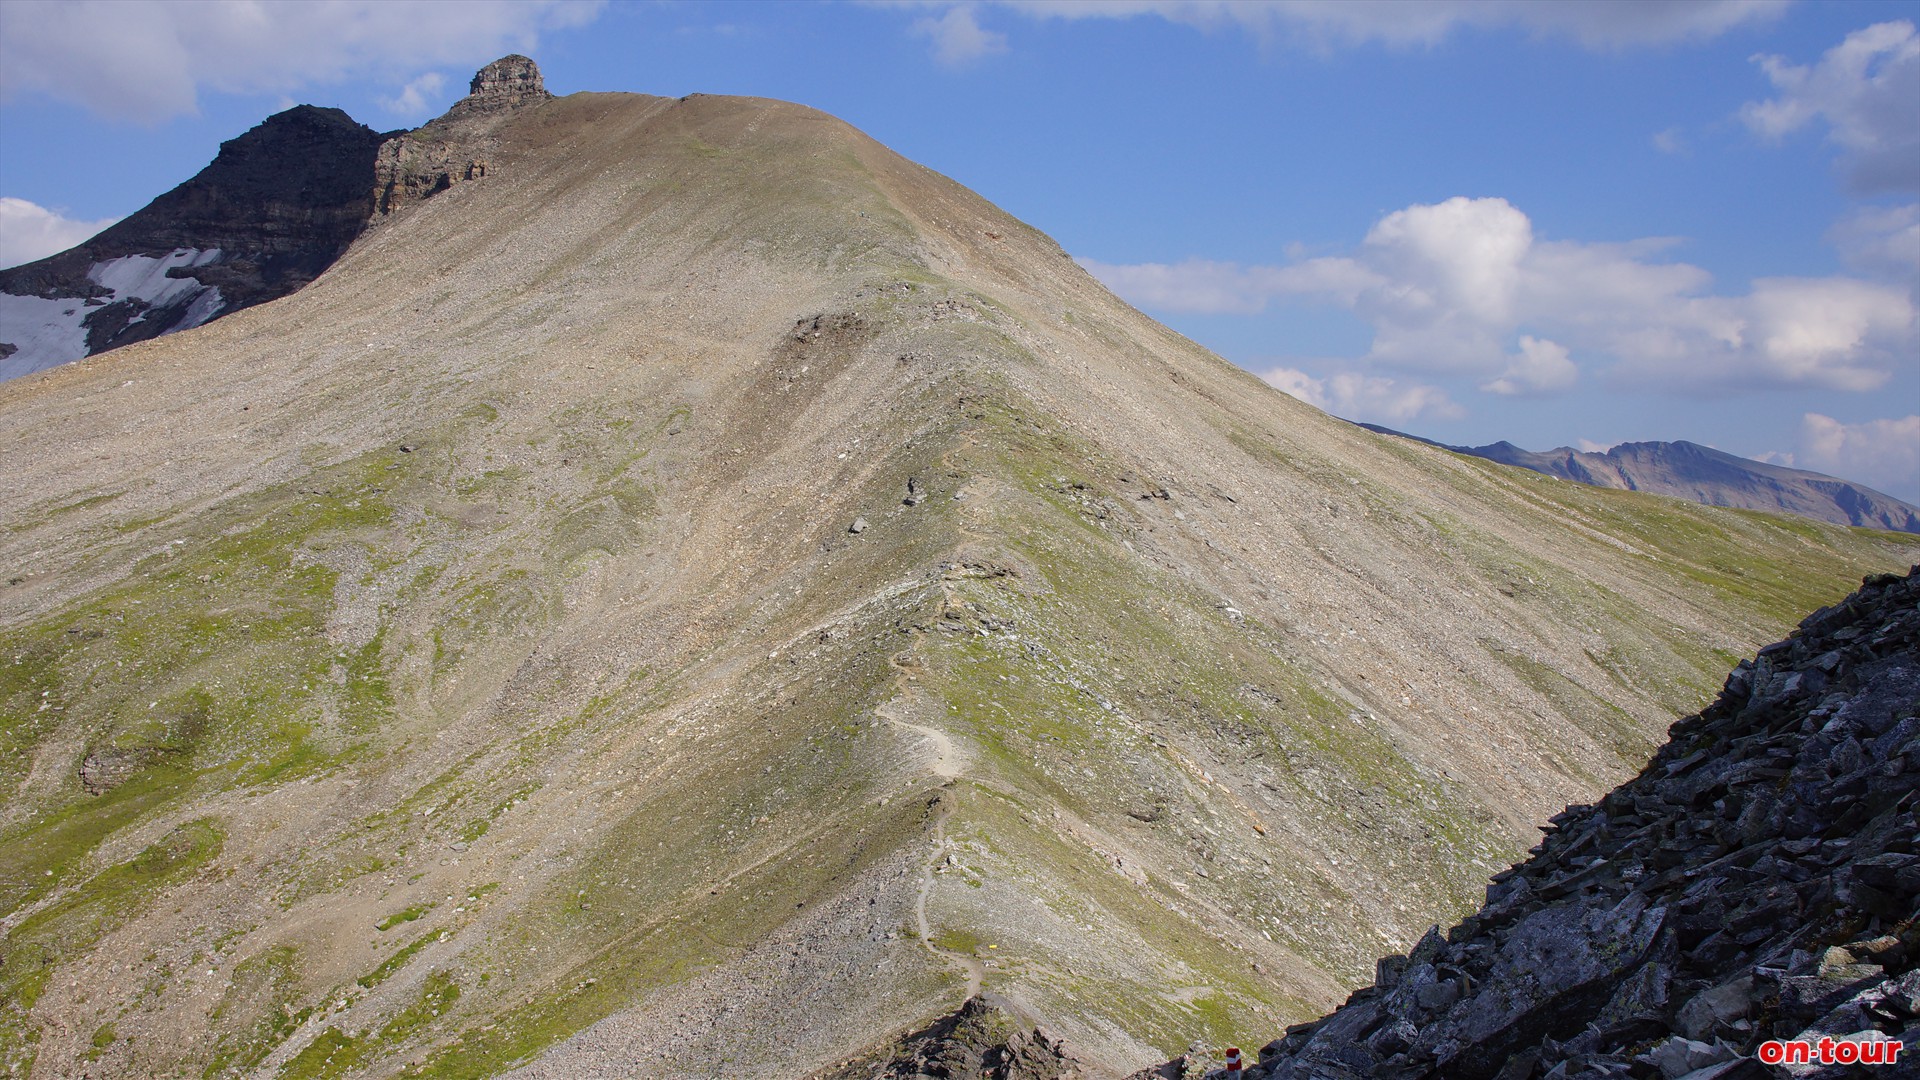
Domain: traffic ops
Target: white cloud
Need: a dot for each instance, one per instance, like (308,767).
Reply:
(1448,276)
(147,60)
(29,231)
(1815,331)
(1206,287)
(958,38)
(1540,367)
(1196,285)
(418,98)
(1596,24)
(1592,447)
(1883,454)
(1881,240)
(1372,398)
(1670,141)
(1867,90)
(1462,285)
(1468,249)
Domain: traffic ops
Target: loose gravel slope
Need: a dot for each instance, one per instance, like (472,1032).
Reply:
(472,657)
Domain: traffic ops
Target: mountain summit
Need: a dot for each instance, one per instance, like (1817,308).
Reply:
(508,83)
(697,593)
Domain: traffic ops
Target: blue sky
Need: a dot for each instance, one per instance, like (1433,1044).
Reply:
(1555,223)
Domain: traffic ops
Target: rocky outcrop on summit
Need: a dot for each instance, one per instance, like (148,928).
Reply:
(275,208)
(1707,476)
(1756,881)
(507,83)
(457,147)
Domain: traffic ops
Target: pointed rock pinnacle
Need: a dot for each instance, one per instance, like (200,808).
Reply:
(507,83)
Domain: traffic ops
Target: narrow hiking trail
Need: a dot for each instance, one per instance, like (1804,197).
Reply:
(973,966)
(946,766)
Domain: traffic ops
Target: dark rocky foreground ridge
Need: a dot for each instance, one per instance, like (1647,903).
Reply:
(1704,475)
(987,1038)
(1756,881)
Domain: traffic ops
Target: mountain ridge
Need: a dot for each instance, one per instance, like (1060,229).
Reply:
(1702,474)
(706,588)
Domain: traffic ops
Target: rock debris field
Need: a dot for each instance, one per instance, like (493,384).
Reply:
(1756,882)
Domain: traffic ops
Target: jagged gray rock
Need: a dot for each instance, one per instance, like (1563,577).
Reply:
(507,83)
(458,146)
(987,1038)
(277,206)
(1757,881)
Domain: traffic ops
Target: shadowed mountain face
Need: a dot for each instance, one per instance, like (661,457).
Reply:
(705,592)
(1704,475)
(272,212)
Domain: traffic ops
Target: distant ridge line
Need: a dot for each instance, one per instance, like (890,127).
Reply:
(1701,474)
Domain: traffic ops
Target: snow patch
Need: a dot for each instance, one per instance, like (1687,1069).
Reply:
(144,277)
(204,307)
(48,333)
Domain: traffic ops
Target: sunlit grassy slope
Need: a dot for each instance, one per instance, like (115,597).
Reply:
(473,648)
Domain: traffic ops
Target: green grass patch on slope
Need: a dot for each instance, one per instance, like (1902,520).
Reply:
(258,1011)
(92,909)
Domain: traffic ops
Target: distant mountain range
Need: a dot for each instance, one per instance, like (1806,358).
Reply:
(1704,475)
